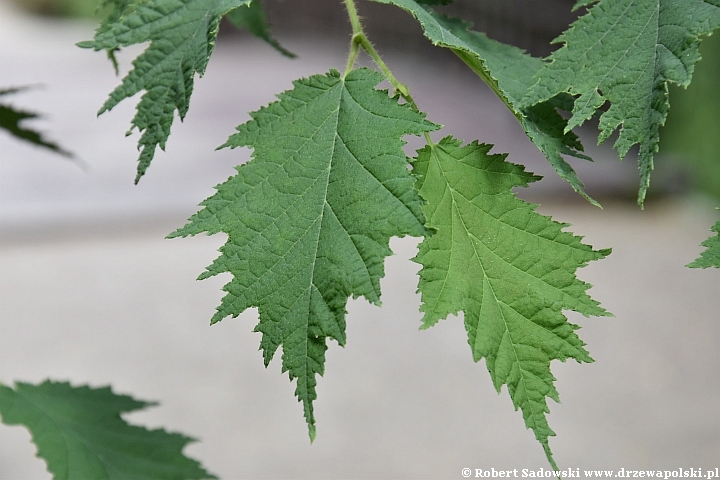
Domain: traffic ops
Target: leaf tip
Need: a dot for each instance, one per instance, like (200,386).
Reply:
(549,456)
(312,432)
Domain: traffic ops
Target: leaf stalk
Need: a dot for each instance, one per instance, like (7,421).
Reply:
(359,39)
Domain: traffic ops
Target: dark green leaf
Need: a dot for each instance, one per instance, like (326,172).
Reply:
(509,73)
(624,52)
(182,36)
(310,217)
(252,16)
(79,433)
(11,119)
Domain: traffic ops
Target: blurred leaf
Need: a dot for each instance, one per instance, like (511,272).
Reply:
(11,119)
(691,131)
(252,16)
(79,433)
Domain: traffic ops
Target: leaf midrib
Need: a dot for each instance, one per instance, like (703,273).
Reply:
(492,290)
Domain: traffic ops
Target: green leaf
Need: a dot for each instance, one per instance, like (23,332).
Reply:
(78,431)
(309,218)
(583,3)
(509,73)
(11,118)
(624,52)
(182,36)
(252,16)
(434,2)
(509,269)
(711,256)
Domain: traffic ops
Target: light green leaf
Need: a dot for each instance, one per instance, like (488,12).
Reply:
(509,73)
(624,52)
(11,119)
(309,218)
(510,270)
(79,433)
(182,36)
(252,16)
(711,256)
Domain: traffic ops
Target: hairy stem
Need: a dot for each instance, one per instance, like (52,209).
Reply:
(359,39)
(354,18)
(357,33)
(354,50)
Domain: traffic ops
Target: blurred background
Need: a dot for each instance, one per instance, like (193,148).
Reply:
(91,292)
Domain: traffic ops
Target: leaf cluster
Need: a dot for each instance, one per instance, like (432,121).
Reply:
(309,219)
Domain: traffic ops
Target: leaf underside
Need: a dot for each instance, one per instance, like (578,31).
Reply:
(11,119)
(711,256)
(309,218)
(509,269)
(509,72)
(182,36)
(624,52)
(79,433)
